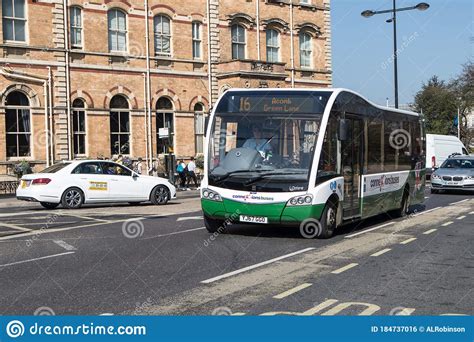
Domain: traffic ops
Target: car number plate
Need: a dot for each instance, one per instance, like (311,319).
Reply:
(254,219)
(452,183)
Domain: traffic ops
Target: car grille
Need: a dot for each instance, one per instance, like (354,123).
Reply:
(457,179)
(447,178)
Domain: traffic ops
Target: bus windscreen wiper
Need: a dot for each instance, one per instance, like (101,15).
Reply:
(220,178)
(273,173)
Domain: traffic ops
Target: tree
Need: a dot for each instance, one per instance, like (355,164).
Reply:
(440,101)
(463,88)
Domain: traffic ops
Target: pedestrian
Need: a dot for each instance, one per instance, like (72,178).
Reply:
(192,173)
(139,166)
(120,159)
(181,170)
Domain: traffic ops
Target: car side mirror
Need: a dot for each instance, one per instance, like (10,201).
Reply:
(135,175)
(342,130)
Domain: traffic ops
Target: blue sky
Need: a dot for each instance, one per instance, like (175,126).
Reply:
(433,42)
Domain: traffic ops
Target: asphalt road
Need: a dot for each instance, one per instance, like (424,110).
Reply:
(160,260)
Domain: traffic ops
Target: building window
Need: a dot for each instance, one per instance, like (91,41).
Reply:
(238,42)
(17,122)
(162,35)
(76,27)
(164,120)
(14,20)
(117,30)
(119,125)
(197,40)
(79,127)
(273,46)
(306,50)
(199,127)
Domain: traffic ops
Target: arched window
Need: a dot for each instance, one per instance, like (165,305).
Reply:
(273,46)
(79,127)
(117,30)
(199,127)
(76,27)
(119,125)
(14,20)
(306,50)
(18,125)
(238,42)
(165,122)
(162,29)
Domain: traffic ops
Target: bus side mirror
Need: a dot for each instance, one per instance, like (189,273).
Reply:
(206,122)
(342,130)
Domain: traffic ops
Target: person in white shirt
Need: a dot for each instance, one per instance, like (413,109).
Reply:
(257,142)
(192,172)
(139,166)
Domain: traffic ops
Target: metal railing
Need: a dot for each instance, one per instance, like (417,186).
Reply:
(8,187)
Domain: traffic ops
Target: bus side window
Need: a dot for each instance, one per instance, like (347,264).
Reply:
(374,146)
(328,161)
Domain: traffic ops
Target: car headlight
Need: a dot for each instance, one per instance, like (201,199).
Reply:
(435,176)
(300,200)
(211,195)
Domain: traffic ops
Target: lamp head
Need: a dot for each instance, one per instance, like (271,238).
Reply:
(367,13)
(422,6)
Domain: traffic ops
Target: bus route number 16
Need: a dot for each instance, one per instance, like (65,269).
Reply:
(244,104)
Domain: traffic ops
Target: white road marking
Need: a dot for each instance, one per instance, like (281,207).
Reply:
(238,314)
(291,291)
(345,268)
(461,217)
(174,233)
(426,197)
(447,223)
(65,245)
(408,241)
(60,213)
(426,211)
(189,218)
(248,268)
(430,231)
(464,200)
(369,230)
(14,226)
(35,259)
(405,312)
(383,251)
(471,213)
(22,213)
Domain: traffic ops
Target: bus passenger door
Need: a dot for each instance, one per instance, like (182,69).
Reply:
(351,155)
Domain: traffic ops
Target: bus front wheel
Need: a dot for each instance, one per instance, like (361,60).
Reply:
(214,225)
(328,221)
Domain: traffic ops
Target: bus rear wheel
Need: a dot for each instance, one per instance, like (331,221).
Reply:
(328,221)
(404,205)
(214,225)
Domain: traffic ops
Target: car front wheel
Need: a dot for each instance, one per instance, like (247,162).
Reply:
(72,198)
(160,195)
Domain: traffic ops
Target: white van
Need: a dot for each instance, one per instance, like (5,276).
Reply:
(440,147)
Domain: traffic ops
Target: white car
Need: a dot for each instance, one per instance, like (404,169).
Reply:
(72,184)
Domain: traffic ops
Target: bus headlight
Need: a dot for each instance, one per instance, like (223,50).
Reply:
(211,195)
(300,200)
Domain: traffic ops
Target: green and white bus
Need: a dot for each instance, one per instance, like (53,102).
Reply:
(310,158)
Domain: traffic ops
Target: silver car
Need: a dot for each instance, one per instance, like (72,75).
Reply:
(457,173)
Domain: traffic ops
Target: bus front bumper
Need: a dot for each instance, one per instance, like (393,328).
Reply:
(276,213)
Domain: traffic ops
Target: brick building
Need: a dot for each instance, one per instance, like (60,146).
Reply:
(78,78)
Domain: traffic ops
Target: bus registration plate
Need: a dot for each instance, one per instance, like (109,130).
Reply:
(254,219)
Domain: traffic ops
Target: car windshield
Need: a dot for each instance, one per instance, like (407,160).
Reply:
(55,168)
(264,138)
(458,163)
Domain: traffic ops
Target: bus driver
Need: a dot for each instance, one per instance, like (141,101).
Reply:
(258,143)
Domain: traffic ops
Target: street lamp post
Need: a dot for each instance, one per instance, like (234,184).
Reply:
(422,6)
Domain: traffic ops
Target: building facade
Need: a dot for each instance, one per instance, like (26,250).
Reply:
(95,79)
